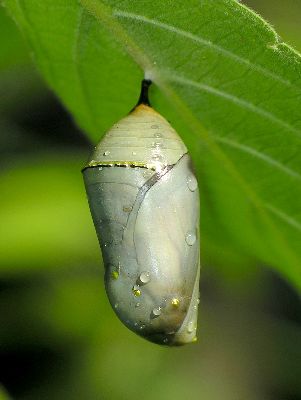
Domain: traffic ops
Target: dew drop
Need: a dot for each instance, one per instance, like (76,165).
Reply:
(106,153)
(134,153)
(190,238)
(165,340)
(144,277)
(100,169)
(190,327)
(142,327)
(192,183)
(137,305)
(156,312)
(116,305)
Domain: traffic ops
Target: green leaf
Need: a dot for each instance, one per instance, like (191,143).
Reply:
(223,78)
(13,51)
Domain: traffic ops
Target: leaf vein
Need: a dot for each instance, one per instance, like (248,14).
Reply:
(260,155)
(236,100)
(286,218)
(204,42)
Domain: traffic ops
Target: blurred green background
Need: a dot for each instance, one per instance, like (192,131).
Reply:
(59,337)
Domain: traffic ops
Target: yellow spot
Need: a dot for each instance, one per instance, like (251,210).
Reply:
(195,339)
(115,274)
(136,291)
(175,303)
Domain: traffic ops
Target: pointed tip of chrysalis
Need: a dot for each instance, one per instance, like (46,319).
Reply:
(144,99)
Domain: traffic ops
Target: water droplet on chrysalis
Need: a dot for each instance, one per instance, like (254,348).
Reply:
(190,238)
(190,327)
(144,277)
(192,183)
(156,312)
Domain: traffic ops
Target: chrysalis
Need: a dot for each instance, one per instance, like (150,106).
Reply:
(144,200)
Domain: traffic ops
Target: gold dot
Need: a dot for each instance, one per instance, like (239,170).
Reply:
(175,303)
(136,291)
(194,340)
(115,274)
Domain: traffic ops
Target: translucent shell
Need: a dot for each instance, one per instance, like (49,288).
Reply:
(144,201)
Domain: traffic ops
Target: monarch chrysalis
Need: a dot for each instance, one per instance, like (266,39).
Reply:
(144,201)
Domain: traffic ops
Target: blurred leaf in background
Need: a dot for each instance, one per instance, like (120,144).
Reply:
(59,337)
